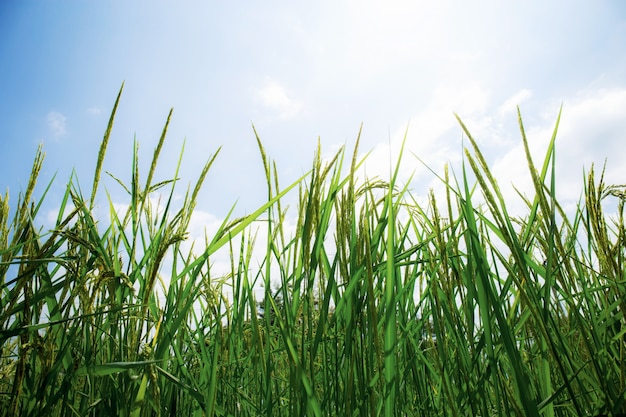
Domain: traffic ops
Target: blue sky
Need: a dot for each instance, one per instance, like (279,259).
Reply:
(299,71)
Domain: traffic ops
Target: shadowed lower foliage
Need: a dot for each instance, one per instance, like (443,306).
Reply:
(375,305)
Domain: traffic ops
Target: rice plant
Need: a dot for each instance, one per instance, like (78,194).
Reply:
(373,304)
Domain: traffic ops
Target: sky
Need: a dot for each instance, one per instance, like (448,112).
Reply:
(300,72)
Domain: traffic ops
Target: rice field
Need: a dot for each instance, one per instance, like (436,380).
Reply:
(374,306)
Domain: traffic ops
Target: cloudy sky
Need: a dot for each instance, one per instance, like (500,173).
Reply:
(302,71)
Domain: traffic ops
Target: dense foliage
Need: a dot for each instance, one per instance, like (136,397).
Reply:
(374,305)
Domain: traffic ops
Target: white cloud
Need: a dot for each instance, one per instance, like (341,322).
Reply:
(428,136)
(515,100)
(94,111)
(275,97)
(57,124)
(590,132)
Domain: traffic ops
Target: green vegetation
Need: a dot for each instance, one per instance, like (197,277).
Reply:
(375,305)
